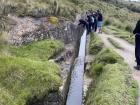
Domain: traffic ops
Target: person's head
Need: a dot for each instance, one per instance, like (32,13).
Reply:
(98,11)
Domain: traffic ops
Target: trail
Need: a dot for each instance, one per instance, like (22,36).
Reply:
(128,53)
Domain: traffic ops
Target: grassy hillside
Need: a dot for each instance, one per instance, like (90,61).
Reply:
(37,8)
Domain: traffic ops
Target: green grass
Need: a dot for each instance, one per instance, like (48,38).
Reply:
(39,8)
(27,74)
(112,81)
(41,50)
(95,44)
(114,43)
(25,79)
(121,33)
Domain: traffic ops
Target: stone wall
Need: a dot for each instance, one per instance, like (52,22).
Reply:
(66,33)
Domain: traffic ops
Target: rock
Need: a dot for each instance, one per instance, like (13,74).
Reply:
(26,31)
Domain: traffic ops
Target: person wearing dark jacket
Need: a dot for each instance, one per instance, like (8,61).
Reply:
(85,24)
(94,25)
(89,20)
(137,44)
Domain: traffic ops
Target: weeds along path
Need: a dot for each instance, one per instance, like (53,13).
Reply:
(127,52)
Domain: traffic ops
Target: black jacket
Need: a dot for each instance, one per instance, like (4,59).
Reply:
(137,28)
(83,23)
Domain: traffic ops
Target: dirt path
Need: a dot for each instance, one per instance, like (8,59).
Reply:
(128,53)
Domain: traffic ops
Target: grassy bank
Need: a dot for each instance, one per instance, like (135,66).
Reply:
(41,50)
(95,44)
(25,79)
(27,74)
(112,81)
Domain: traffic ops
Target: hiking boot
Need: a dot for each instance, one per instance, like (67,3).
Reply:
(137,67)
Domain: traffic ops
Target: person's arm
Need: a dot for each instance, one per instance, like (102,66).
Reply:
(80,23)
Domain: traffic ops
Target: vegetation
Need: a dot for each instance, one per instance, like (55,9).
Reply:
(133,6)
(24,79)
(120,33)
(114,43)
(36,8)
(112,81)
(95,44)
(27,74)
(41,50)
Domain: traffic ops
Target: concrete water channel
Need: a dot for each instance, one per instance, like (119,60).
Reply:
(75,94)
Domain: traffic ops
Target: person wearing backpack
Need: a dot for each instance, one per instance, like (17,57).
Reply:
(137,44)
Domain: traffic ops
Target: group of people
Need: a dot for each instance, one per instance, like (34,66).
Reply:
(93,21)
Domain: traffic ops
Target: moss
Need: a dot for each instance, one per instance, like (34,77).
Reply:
(96,44)
(25,79)
(41,50)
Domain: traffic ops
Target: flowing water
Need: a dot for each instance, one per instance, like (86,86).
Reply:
(75,94)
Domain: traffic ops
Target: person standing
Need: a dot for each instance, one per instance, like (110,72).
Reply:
(137,44)
(100,21)
(89,20)
(94,25)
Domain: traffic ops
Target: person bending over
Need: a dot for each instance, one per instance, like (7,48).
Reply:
(84,23)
